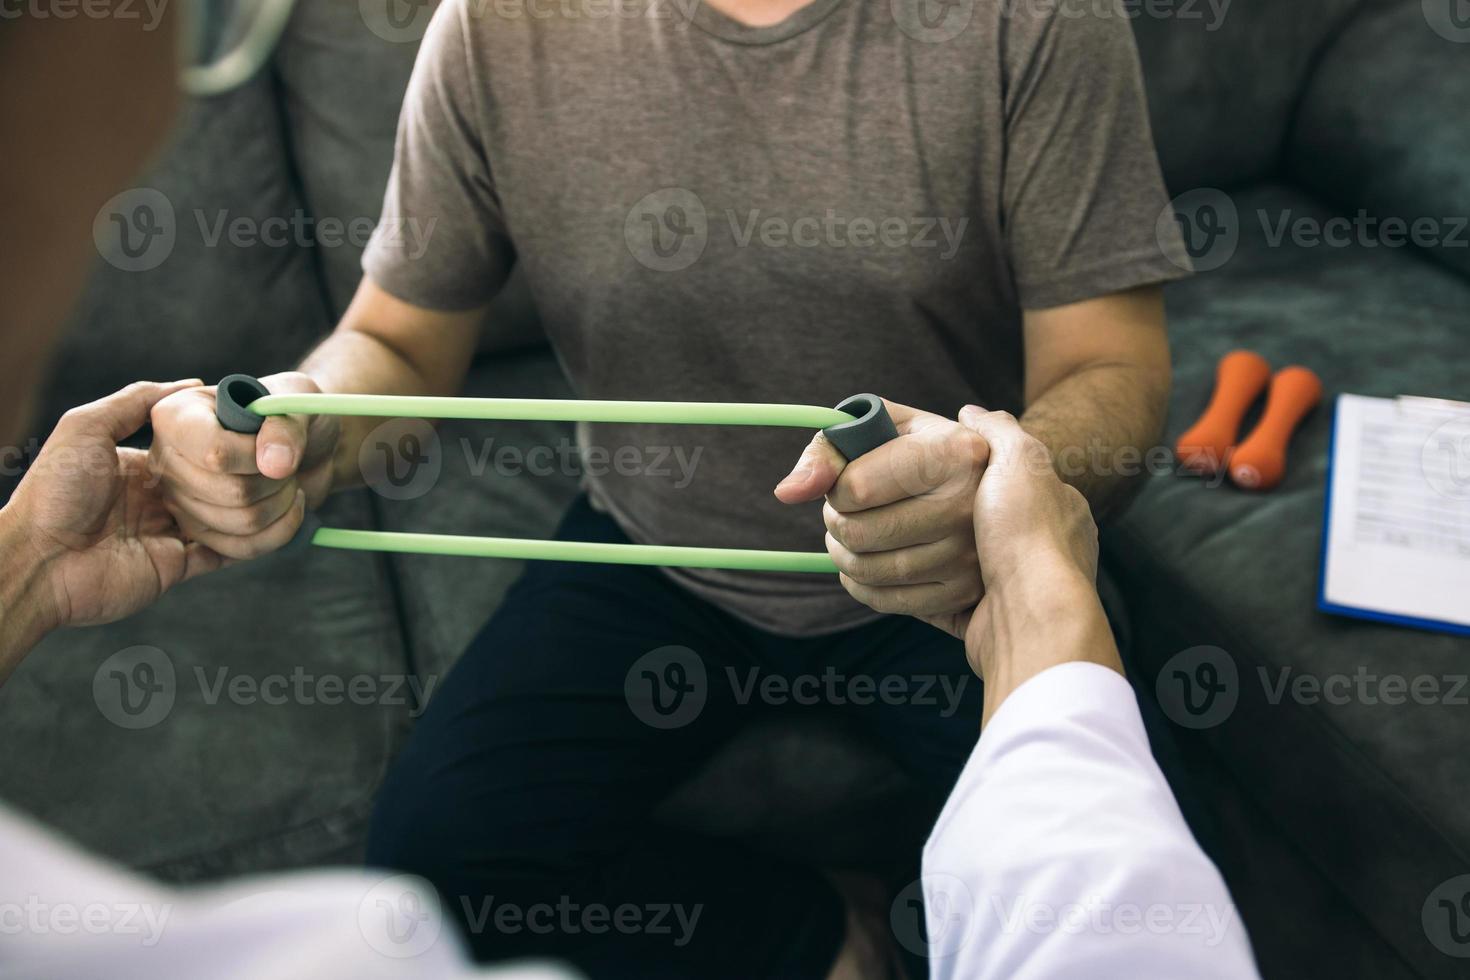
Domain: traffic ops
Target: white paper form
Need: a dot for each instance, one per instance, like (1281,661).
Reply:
(1398,524)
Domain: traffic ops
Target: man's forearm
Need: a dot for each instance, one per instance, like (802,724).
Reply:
(25,604)
(356,362)
(1100,423)
(385,346)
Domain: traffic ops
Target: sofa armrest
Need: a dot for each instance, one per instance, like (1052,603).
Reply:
(1381,127)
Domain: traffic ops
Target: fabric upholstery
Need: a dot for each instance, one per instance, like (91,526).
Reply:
(1371,132)
(1369,792)
(1223,86)
(341,87)
(212,782)
(217,301)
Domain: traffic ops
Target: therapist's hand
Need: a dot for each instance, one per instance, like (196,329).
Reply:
(242,494)
(87,537)
(1037,547)
(898,519)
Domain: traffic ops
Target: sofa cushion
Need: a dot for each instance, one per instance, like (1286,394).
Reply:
(1372,129)
(220,287)
(241,724)
(343,68)
(1371,792)
(1223,79)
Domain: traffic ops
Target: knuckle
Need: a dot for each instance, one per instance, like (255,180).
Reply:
(839,554)
(255,518)
(847,531)
(902,568)
(236,493)
(74,417)
(857,487)
(216,459)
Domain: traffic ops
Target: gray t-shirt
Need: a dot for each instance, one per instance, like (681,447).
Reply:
(861,198)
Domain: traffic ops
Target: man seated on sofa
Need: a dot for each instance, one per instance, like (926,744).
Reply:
(776,200)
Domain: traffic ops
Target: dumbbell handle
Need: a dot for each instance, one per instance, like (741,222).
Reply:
(858,425)
(1239,379)
(1259,463)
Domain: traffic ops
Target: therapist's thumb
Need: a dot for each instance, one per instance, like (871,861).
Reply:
(122,413)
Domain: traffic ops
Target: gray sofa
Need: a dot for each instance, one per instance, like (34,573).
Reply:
(161,742)
(1332,821)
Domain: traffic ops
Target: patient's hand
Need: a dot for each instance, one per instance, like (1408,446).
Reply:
(242,495)
(87,538)
(900,518)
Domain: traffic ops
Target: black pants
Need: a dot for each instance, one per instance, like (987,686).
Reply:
(524,792)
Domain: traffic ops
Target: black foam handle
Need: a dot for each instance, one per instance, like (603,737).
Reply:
(231,400)
(870,428)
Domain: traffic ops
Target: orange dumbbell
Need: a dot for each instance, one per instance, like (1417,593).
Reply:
(1259,462)
(1239,380)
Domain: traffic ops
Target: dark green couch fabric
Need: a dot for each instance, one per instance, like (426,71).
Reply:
(1371,792)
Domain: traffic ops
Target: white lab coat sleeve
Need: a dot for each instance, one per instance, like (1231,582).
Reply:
(67,916)
(1062,852)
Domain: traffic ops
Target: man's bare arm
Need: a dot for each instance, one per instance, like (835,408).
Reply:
(1097,388)
(388,347)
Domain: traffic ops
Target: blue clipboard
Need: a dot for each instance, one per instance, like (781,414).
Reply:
(1358,612)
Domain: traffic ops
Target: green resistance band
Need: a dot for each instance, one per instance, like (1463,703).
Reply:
(856,426)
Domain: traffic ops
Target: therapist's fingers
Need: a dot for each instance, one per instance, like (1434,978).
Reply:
(239,520)
(122,413)
(245,547)
(197,483)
